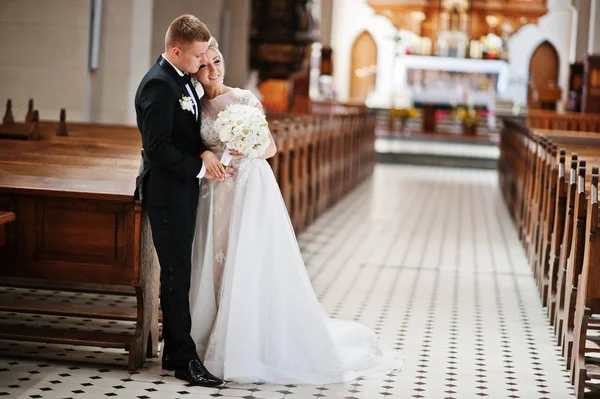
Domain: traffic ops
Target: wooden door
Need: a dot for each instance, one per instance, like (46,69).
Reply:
(543,72)
(363,68)
(591,89)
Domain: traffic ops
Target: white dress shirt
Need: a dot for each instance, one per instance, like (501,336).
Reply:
(194,111)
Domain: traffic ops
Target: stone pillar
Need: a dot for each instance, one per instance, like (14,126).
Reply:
(238,46)
(594,23)
(326,22)
(581,29)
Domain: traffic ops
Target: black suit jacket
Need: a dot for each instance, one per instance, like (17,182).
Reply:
(171,140)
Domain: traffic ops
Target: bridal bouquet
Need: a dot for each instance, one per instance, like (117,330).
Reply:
(243,128)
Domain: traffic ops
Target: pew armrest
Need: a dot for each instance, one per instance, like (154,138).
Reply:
(6,217)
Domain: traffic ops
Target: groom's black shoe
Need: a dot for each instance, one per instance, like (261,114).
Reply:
(166,363)
(197,374)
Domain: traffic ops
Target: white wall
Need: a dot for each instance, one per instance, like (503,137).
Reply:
(165,11)
(554,27)
(351,17)
(44,56)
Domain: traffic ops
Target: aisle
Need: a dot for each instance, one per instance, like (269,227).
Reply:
(427,257)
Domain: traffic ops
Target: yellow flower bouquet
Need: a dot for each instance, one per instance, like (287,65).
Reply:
(404,113)
(468,116)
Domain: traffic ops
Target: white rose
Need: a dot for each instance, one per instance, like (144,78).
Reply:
(186,103)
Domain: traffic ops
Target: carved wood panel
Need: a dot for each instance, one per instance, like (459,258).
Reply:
(591,85)
(72,240)
(515,13)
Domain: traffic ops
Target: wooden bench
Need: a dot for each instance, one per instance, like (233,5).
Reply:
(588,299)
(5,217)
(556,210)
(79,229)
(321,157)
(537,233)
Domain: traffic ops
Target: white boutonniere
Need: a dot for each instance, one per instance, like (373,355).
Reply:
(186,103)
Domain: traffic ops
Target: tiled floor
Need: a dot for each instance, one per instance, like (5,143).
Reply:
(427,257)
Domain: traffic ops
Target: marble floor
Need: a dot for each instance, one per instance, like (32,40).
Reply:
(427,257)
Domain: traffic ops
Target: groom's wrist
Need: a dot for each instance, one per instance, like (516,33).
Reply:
(202,172)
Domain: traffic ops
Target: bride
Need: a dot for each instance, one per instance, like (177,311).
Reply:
(255,316)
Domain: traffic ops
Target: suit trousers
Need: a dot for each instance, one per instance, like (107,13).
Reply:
(173,235)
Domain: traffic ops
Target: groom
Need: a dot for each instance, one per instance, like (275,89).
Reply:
(168,116)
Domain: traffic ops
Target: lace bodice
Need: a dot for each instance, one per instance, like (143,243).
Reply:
(211,109)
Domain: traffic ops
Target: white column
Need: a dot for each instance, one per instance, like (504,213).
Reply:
(594,35)
(326,21)
(580,30)
(238,49)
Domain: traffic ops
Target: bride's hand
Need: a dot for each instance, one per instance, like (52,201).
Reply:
(236,154)
(213,165)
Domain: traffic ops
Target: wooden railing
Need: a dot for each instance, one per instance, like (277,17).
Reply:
(575,121)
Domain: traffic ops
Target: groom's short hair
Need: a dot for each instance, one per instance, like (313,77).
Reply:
(186,29)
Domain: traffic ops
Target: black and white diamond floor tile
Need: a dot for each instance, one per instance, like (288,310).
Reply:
(427,257)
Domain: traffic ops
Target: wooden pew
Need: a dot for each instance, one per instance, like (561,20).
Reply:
(570,258)
(322,156)
(540,251)
(5,217)
(553,240)
(28,130)
(79,229)
(588,299)
(564,241)
(574,264)
(565,215)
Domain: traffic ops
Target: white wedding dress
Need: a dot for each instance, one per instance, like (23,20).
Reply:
(255,316)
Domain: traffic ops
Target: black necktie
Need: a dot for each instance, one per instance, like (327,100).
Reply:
(187,78)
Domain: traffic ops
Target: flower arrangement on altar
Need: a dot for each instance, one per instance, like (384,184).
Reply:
(404,113)
(468,116)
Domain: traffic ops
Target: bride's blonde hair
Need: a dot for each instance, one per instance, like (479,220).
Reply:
(214,45)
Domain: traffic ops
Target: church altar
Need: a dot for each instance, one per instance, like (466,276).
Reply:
(447,81)
(495,69)
(432,83)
